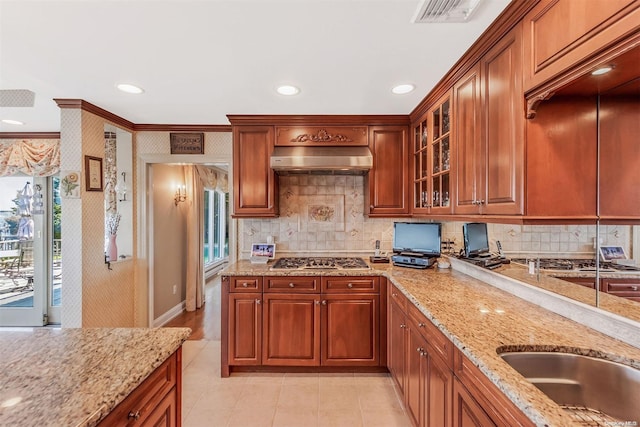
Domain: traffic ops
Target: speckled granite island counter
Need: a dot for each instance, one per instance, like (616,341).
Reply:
(482,321)
(75,377)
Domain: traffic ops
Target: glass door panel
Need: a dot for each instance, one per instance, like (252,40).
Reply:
(22,249)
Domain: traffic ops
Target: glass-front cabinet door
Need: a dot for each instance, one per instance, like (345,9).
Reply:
(432,160)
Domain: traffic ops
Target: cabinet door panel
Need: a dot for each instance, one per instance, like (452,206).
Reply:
(439,409)
(502,187)
(562,159)
(396,340)
(466,411)
(619,156)
(414,392)
(468,123)
(253,179)
(388,179)
(350,330)
(245,328)
(291,330)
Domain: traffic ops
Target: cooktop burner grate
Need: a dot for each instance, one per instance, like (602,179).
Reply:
(309,263)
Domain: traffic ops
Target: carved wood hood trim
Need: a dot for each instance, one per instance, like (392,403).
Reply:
(321,136)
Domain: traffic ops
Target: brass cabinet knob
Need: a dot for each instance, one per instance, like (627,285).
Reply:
(134,415)
(350,286)
(245,285)
(291,285)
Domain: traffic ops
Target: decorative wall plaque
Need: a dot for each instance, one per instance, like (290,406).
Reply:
(187,143)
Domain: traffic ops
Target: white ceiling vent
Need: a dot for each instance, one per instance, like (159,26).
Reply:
(445,11)
(16,98)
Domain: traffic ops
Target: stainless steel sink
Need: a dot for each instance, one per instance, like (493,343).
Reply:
(595,391)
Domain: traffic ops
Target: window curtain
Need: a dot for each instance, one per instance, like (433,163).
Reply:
(195,240)
(38,157)
(213,180)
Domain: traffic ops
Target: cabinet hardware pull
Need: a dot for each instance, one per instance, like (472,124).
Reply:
(134,415)
(258,301)
(291,285)
(481,202)
(324,302)
(634,288)
(317,302)
(244,285)
(421,325)
(394,295)
(349,286)
(403,326)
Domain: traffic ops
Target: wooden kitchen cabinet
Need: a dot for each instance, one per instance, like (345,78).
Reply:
(156,402)
(350,329)
(467,412)
(478,402)
(386,192)
(291,329)
(489,132)
(559,34)
(351,316)
(303,321)
(625,288)
(397,336)
(431,160)
(244,328)
(469,153)
(254,182)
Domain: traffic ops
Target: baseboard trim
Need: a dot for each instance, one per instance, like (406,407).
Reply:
(169,315)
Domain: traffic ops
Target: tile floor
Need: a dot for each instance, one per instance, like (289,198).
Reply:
(279,400)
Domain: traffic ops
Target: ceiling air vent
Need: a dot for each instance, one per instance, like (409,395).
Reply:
(445,11)
(16,98)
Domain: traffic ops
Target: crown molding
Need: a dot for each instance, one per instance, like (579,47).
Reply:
(318,120)
(180,128)
(29,135)
(94,109)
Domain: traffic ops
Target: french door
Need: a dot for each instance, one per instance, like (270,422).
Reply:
(30,250)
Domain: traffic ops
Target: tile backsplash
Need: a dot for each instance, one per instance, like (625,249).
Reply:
(325,214)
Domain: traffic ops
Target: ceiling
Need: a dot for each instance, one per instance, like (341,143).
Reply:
(198,61)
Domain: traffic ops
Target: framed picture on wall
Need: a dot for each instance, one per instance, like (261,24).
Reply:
(93,173)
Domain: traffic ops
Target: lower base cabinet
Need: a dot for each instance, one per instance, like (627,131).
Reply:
(439,385)
(156,402)
(302,321)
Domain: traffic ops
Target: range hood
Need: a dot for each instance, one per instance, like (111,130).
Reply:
(322,160)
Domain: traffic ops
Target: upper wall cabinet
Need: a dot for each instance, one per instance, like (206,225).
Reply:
(489,132)
(559,34)
(331,136)
(386,184)
(431,160)
(255,183)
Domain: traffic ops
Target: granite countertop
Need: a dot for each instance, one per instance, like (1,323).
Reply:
(75,377)
(482,321)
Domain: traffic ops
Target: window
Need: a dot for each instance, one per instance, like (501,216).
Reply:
(216,229)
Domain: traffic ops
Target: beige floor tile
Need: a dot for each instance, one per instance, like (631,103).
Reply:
(295,418)
(283,400)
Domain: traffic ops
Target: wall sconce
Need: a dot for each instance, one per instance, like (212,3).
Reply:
(121,188)
(181,194)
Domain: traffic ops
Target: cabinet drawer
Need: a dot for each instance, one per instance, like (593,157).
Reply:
(397,297)
(627,288)
(308,284)
(351,284)
(245,284)
(436,340)
(143,401)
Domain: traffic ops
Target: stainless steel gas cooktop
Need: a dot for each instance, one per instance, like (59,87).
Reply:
(568,264)
(320,263)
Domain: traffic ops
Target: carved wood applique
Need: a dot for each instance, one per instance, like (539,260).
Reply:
(321,136)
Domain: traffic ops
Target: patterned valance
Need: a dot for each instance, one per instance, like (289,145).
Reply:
(212,179)
(33,157)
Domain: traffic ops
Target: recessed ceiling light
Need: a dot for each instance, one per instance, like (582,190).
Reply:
(12,122)
(288,90)
(129,88)
(402,89)
(602,70)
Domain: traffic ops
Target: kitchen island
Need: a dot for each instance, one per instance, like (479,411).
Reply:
(76,377)
(481,321)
